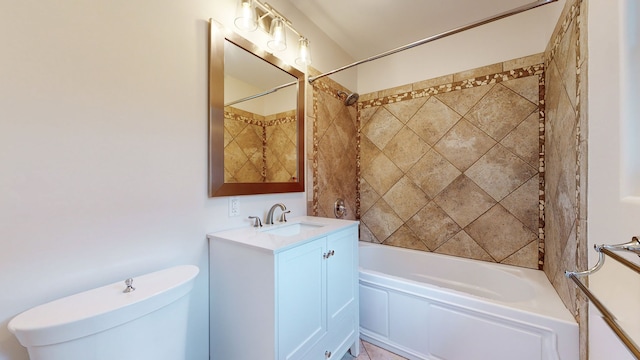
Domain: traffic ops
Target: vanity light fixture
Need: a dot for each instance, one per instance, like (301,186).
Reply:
(246,16)
(254,14)
(278,40)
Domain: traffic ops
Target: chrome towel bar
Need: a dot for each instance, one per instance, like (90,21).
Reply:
(607,316)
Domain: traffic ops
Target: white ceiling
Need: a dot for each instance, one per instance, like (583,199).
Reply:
(365,28)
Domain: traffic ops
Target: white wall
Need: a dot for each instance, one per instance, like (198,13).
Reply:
(103,149)
(517,36)
(613,214)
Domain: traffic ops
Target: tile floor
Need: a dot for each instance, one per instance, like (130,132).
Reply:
(371,352)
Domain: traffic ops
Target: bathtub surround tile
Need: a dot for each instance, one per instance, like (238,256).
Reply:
(526,257)
(480,130)
(368,196)
(478,72)
(405,110)
(433,120)
(500,111)
(464,201)
(518,203)
(464,144)
(406,198)
(382,127)
(434,225)
(523,62)
(405,149)
(433,173)
(499,172)
(500,233)
(405,238)
(464,246)
(335,151)
(463,100)
(525,87)
(382,173)
(381,220)
(524,142)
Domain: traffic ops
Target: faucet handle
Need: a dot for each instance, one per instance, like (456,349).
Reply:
(283,216)
(256,222)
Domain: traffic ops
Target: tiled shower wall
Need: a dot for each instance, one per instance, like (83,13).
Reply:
(259,148)
(566,154)
(333,151)
(452,165)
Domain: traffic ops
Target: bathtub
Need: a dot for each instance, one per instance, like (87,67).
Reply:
(428,306)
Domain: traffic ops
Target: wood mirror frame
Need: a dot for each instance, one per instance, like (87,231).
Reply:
(217,185)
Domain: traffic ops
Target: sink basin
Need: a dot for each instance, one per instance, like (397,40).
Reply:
(291,229)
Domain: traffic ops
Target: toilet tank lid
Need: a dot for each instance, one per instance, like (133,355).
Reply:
(102,308)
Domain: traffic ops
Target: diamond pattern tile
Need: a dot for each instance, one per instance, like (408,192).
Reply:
(382,127)
(500,111)
(499,172)
(406,148)
(406,198)
(433,120)
(500,233)
(433,173)
(464,201)
(464,144)
(422,148)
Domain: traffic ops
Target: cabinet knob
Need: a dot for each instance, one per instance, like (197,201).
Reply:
(328,254)
(327,354)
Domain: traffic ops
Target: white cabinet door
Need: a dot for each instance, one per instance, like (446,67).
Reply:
(341,274)
(301,298)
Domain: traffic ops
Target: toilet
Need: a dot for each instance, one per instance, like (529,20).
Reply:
(143,318)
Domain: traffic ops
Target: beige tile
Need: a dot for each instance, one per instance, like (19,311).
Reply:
(369,96)
(368,152)
(481,71)
(405,238)
(518,63)
(499,172)
(366,235)
(524,140)
(464,201)
(526,257)
(435,82)
(500,111)
(381,220)
(464,246)
(382,127)
(405,149)
(404,110)
(367,113)
(395,91)
(433,173)
(500,233)
(433,225)
(462,100)
(523,203)
(527,87)
(381,174)
(433,120)
(406,198)
(368,196)
(234,158)
(464,144)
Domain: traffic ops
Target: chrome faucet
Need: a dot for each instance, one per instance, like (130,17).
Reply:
(269,219)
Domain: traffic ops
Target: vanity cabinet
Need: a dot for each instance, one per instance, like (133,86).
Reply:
(294,300)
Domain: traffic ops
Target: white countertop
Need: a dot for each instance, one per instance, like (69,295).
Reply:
(260,238)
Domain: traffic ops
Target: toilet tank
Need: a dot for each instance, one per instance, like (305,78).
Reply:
(106,323)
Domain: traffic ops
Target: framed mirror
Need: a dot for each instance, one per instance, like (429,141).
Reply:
(256,119)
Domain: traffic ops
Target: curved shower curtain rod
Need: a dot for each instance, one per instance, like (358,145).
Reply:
(503,15)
